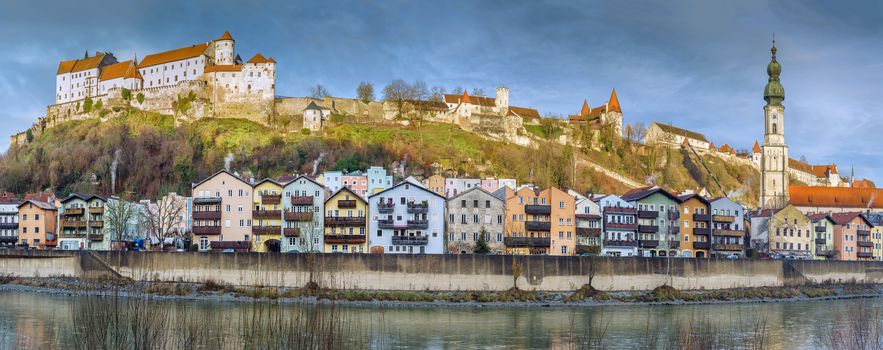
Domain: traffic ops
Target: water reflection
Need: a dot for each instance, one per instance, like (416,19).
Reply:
(43,321)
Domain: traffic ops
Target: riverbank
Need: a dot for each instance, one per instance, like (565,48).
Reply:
(583,297)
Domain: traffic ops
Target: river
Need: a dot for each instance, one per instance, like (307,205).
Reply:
(29,320)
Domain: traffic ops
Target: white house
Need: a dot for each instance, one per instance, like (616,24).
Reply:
(620,226)
(123,75)
(315,116)
(406,219)
(78,79)
(303,205)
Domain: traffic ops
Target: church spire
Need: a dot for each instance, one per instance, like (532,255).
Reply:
(774,92)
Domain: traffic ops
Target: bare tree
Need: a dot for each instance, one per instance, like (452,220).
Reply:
(319,92)
(437,93)
(118,215)
(165,219)
(365,92)
(457,90)
(477,92)
(639,131)
(419,91)
(398,92)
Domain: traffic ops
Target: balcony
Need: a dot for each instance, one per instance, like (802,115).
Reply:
(673,230)
(702,231)
(701,245)
(8,225)
(345,239)
(648,214)
(821,229)
(648,228)
(544,226)
(866,255)
(588,232)
(727,247)
(96,237)
(96,224)
(418,208)
(291,232)
(588,249)
(701,217)
(73,224)
(345,221)
(535,209)
(526,242)
(646,243)
(418,224)
(616,243)
(207,200)
(674,244)
(73,235)
(620,210)
(727,232)
(723,218)
(302,200)
(266,230)
(298,216)
(863,232)
(386,208)
(674,215)
(620,226)
(346,204)
(821,241)
(410,240)
(864,244)
(237,246)
(268,214)
(207,215)
(271,198)
(96,210)
(73,211)
(385,224)
(587,217)
(206,230)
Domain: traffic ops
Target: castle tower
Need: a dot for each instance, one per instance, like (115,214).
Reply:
(224,49)
(502,100)
(774,156)
(613,113)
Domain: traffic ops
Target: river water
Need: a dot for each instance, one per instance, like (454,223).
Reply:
(53,321)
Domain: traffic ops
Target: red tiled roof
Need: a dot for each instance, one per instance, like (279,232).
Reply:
(613,103)
(80,65)
(585,111)
(756,148)
(524,112)
(119,70)
(863,183)
(845,218)
(225,36)
(822,170)
(223,68)
(173,55)
(836,197)
(258,58)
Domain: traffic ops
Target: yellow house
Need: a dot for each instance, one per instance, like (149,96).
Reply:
(266,229)
(346,223)
(877,240)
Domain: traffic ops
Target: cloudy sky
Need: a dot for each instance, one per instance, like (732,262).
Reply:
(696,64)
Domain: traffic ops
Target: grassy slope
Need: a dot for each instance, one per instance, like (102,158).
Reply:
(157,156)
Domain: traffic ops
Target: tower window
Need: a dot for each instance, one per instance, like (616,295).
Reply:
(774,128)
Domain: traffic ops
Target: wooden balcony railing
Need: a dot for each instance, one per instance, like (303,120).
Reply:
(345,239)
(346,203)
(345,221)
(299,216)
(207,215)
(517,242)
(271,198)
(301,200)
(410,240)
(73,211)
(206,230)
(544,226)
(266,214)
(723,218)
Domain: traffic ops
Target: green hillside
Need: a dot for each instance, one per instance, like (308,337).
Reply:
(155,156)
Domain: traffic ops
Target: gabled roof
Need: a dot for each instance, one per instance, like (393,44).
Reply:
(682,132)
(836,197)
(258,58)
(644,192)
(173,55)
(84,198)
(79,65)
(39,204)
(524,112)
(225,36)
(416,185)
(305,178)
(474,189)
(823,170)
(815,217)
(845,218)
(125,69)
(687,197)
(863,183)
(347,189)
(277,183)
(315,106)
(222,171)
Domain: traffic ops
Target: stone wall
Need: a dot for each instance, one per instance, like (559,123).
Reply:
(440,272)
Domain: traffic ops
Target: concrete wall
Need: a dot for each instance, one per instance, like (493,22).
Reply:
(438,272)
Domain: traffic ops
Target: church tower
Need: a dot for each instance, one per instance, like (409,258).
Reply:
(774,158)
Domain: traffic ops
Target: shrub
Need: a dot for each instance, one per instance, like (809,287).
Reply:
(126,94)
(305,131)
(140,98)
(87,105)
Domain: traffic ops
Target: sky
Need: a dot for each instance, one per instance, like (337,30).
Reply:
(697,64)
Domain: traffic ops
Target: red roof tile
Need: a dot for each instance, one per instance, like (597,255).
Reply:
(173,55)
(836,197)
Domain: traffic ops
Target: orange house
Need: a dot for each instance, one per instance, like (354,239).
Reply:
(695,226)
(539,222)
(37,224)
(852,237)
